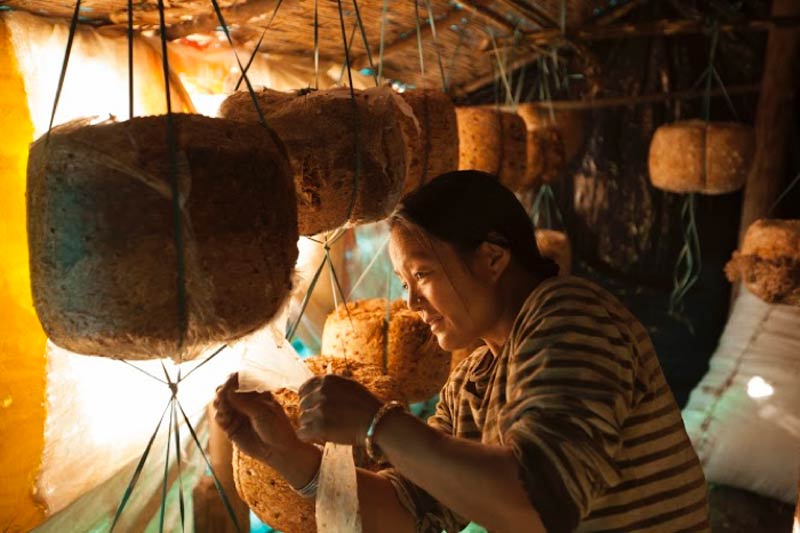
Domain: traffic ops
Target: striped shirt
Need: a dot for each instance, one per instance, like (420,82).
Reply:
(578,394)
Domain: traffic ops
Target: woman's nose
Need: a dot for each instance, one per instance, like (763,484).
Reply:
(412,299)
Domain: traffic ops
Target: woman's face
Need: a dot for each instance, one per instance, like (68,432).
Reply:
(442,287)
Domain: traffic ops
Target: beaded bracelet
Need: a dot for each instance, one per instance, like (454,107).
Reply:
(372,450)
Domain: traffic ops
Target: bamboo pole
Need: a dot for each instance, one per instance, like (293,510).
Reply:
(624,101)
(796,528)
(776,110)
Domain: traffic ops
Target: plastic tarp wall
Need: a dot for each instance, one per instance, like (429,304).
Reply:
(72,427)
(22,341)
(68,423)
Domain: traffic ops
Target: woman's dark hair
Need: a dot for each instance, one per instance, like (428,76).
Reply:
(468,207)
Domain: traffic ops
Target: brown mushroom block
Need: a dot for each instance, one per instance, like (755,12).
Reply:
(349,162)
(413,355)
(493,141)
(698,157)
(769,261)
(436,149)
(101,227)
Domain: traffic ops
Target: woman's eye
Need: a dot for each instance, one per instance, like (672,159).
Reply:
(420,275)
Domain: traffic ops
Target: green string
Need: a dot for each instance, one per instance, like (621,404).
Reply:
(166,468)
(384,15)
(130,59)
(432,23)
(366,43)
(176,431)
(788,189)
(206,360)
(250,89)
(354,106)
(316,44)
(457,51)
(177,218)
(371,263)
(293,329)
(350,46)
(503,74)
(545,204)
(386,321)
(138,471)
(689,264)
(220,488)
(143,371)
(419,40)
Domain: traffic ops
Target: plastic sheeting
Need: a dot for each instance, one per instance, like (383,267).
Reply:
(270,364)
(744,415)
(22,362)
(96,81)
(101,413)
(95,509)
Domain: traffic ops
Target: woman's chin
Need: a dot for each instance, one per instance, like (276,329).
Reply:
(447,342)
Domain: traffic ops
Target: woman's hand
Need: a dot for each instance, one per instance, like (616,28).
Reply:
(255,422)
(335,409)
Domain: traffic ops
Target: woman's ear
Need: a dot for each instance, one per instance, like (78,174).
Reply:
(493,260)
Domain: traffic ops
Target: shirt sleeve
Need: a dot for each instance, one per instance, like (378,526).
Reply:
(430,516)
(569,390)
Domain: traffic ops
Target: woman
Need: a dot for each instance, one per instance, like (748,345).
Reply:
(561,421)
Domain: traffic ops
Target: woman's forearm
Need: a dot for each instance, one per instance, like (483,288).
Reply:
(477,481)
(381,510)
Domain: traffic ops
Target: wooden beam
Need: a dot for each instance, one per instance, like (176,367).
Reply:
(236,14)
(530,13)
(478,9)
(473,85)
(485,80)
(615,13)
(777,106)
(624,101)
(453,17)
(398,45)
(648,29)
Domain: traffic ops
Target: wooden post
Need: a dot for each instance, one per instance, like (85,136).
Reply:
(796,527)
(776,110)
(210,515)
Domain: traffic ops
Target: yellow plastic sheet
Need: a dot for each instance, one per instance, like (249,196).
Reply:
(22,341)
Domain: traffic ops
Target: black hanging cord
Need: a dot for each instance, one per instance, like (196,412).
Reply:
(246,68)
(130,59)
(372,69)
(73,26)
(177,218)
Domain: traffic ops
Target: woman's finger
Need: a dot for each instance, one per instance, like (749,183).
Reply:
(310,385)
(311,425)
(311,400)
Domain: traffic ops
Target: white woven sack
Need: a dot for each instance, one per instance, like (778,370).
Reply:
(744,415)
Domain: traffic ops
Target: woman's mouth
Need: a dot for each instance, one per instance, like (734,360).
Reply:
(434,322)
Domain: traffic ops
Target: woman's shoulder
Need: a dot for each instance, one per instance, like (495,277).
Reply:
(564,300)
(567,289)
(471,364)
